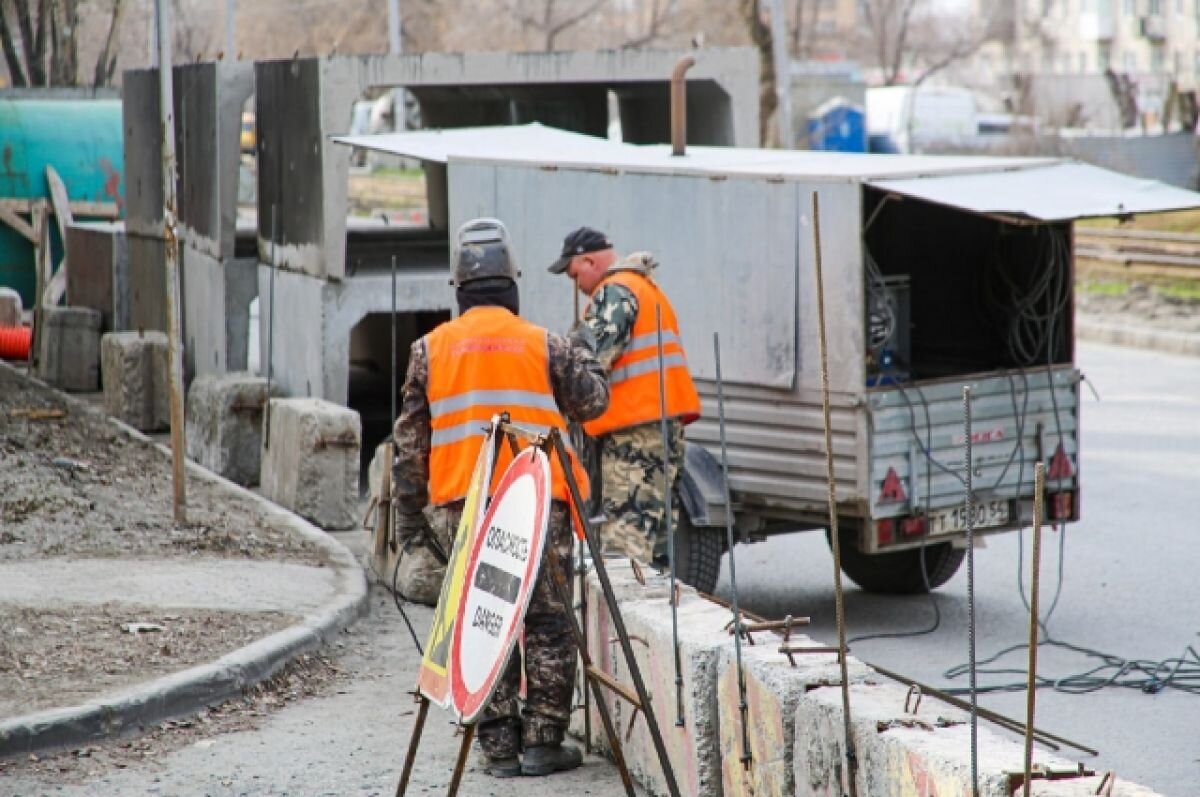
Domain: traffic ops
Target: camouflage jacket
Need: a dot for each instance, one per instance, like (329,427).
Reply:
(580,388)
(613,310)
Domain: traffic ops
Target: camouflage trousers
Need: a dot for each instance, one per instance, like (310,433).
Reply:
(632,462)
(505,728)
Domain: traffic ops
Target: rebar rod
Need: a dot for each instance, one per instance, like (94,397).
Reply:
(1039,495)
(733,590)
(834,536)
(666,445)
(968,466)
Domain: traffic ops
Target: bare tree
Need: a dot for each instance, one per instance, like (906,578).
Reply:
(106,62)
(802,31)
(549,23)
(662,13)
(911,33)
(760,35)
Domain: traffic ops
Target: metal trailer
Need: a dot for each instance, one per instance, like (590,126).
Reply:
(939,272)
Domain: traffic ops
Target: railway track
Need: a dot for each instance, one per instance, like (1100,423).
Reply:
(1137,253)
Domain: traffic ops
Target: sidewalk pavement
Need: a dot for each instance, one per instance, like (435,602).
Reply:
(325,599)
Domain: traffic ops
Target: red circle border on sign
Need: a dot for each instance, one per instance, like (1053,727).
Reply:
(469,704)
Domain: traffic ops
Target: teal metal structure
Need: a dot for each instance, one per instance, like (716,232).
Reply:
(82,140)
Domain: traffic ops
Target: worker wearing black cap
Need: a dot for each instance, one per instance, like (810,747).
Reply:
(622,317)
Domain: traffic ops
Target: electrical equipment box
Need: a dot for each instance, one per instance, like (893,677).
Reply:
(888,327)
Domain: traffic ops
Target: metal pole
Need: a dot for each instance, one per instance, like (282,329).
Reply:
(230,29)
(393,369)
(166,103)
(394,27)
(270,334)
(411,758)
(1039,495)
(834,536)
(461,763)
(783,76)
(968,465)
(737,614)
(666,444)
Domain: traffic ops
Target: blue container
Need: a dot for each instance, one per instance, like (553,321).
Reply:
(838,126)
(82,140)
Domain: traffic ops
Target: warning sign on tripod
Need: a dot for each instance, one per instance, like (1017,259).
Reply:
(500,575)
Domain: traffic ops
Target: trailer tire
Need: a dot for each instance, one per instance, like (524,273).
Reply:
(698,553)
(899,573)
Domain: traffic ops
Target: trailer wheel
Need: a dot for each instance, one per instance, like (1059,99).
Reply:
(698,554)
(899,573)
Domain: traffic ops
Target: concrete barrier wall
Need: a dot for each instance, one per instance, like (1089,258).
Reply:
(794,724)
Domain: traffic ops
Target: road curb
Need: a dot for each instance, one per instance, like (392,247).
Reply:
(1140,337)
(188,691)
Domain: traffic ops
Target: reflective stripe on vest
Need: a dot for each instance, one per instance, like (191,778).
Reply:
(633,380)
(486,362)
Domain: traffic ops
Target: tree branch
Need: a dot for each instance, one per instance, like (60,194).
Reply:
(106,63)
(12,58)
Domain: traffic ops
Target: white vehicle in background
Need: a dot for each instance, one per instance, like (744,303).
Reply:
(903,119)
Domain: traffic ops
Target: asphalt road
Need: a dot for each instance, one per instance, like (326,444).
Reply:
(1130,581)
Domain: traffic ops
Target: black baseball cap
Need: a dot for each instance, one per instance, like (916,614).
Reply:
(579,242)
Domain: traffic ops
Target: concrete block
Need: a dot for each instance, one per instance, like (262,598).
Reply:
(10,308)
(69,348)
(134,371)
(310,460)
(901,753)
(774,688)
(692,748)
(225,424)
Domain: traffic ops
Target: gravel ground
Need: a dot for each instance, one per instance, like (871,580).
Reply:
(72,484)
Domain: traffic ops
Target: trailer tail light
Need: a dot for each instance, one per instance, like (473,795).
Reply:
(1061,506)
(885,531)
(912,526)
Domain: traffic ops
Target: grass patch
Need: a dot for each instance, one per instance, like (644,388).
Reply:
(403,174)
(1181,290)
(1103,287)
(1187,221)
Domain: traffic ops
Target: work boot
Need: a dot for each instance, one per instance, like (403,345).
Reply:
(547,758)
(509,767)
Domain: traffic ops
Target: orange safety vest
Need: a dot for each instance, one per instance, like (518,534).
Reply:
(633,382)
(485,362)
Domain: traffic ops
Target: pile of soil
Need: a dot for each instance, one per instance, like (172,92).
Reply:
(74,484)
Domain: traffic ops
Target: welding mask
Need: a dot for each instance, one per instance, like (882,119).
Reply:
(482,252)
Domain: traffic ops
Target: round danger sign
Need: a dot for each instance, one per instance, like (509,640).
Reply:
(501,572)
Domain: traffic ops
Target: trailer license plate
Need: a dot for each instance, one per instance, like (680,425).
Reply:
(988,514)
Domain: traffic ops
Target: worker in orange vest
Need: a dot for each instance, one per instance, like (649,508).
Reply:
(487,361)
(621,316)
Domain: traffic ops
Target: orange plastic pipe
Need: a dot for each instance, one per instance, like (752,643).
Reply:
(15,342)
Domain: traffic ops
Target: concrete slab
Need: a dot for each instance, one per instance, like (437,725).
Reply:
(902,754)
(134,369)
(218,584)
(310,460)
(225,424)
(774,688)
(216,301)
(10,308)
(69,348)
(99,273)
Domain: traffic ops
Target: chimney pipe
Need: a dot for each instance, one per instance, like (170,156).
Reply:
(679,105)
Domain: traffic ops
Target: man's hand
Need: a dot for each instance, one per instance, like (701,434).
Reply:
(581,335)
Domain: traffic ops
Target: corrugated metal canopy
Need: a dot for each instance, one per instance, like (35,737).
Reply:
(1044,189)
(1056,192)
